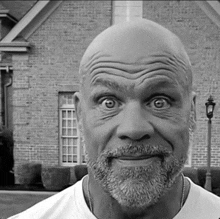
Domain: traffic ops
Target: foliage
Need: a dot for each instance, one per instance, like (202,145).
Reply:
(80,171)
(28,173)
(192,173)
(55,177)
(6,156)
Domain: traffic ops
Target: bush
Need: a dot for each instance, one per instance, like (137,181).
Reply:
(55,177)
(28,173)
(215,174)
(80,171)
(6,157)
(192,173)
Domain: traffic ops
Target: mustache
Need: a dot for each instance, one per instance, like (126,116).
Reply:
(137,149)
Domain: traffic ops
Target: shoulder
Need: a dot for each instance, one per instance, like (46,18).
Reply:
(51,207)
(200,204)
(205,197)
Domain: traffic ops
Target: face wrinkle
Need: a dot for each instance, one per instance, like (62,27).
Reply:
(151,64)
(121,63)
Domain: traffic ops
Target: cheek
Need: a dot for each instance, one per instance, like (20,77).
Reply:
(179,137)
(95,136)
(176,132)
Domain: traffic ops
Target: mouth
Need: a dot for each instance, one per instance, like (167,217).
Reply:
(144,160)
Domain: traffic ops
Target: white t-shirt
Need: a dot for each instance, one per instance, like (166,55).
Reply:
(70,204)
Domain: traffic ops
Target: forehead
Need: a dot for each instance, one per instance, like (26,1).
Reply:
(137,49)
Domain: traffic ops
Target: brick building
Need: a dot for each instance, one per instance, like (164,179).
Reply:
(41,46)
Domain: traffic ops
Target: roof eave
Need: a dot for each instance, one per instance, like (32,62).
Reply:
(15,47)
(212,10)
(6,14)
(32,20)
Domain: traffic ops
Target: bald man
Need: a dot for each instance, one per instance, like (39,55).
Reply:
(133,110)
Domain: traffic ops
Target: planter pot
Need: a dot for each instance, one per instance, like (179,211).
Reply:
(28,173)
(55,178)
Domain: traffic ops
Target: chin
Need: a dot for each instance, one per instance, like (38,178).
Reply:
(137,188)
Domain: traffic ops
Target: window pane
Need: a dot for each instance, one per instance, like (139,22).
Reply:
(69,123)
(74,150)
(64,132)
(75,141)
(63,114)
(74,114)
(69,132)
(70,158)
(70,150)
(64,158)
(69,112)
(74,132)
(63,123)
(74,158)
(74,123)
(70,141)
(64,151)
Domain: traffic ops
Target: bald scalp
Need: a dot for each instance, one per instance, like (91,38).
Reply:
(135,43)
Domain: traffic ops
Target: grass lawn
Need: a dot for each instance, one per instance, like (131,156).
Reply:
(13,203)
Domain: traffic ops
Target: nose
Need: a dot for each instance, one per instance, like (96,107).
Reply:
(134,123)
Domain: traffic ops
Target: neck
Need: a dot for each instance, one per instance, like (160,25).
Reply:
(103,205)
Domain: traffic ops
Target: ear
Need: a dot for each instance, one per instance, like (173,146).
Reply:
(193,112)
(78,108)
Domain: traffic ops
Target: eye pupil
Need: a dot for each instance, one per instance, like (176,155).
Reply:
(159,103)
(109,103)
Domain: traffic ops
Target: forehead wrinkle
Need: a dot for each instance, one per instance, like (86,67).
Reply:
(159,80)
(108,64)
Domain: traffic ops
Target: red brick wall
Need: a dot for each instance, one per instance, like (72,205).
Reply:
(202,40)
(51,67)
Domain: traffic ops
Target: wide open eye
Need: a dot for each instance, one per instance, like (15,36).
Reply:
(109,103)
(160,103)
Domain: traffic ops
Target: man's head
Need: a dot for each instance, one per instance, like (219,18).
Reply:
(134,108)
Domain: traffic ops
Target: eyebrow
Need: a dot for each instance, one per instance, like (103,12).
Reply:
(113,85)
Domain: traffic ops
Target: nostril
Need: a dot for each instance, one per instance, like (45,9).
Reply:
(135,137)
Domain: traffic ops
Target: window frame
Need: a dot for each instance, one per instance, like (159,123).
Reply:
(79,154)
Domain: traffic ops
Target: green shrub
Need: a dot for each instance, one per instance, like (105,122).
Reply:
(55,177)
(28,173)
(192,173)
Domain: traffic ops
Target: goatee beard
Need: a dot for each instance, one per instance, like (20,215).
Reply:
(136,188)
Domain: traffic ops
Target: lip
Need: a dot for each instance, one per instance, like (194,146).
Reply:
(143,157)
(134,161)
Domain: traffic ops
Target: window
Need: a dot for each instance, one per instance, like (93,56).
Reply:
(71,150)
